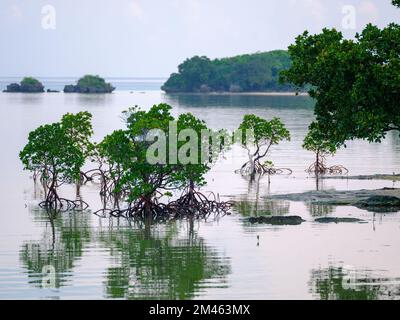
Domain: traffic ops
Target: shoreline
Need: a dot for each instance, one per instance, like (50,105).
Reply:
(254,93)
(272,94)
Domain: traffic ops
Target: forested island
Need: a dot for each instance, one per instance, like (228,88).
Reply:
(27,84)
(90,84)
(258,72)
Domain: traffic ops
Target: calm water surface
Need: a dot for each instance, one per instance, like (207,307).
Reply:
(221,259)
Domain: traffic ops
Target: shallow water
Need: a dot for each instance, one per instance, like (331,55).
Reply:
(221,259)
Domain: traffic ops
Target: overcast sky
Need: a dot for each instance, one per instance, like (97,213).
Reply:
(139,38)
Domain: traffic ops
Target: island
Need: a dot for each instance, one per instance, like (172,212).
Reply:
(27,84)
(90,84)
(258,72)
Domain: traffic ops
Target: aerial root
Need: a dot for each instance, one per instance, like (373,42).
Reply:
(192,204)
(319,168)
(62,204)
(262,169)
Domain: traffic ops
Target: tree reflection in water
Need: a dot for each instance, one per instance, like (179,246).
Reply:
(340,283)
(319,210)
(168,261)
(256,203)
(63,240)
(161,262)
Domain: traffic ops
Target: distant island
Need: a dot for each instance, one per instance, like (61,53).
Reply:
(258,72)
(27,84)
(90,84)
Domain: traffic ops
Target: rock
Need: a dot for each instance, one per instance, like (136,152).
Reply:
(69,88)
(277,220)
(82,89)
(13,87)
(52,91)
(30,88)
(90,84)
(380,203)
(28,85)
(337,220)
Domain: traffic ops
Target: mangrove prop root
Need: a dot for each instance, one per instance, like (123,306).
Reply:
(61,204)
(262,169)
(107,184)
(320,168)
(192,204)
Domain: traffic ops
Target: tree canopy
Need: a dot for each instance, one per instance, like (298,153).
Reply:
(258,135)
(355,82)
(249,72)
(90,84)
(56,153)
(158,154)
(27,84)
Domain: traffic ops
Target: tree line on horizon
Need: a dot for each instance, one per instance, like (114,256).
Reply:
(256,72)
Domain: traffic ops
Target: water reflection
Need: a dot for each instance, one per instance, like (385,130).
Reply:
(319,210)
(256,203)
(240,101)
(62,243)
(248,208)
(340,283)
(168,261)
(157,263)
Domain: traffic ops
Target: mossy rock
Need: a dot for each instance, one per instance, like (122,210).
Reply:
(27,85)
(90,84)
(337,220)
(380,203)
(277,220)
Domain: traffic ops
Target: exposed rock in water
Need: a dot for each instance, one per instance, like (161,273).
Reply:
(90,84)
(277,220)
(390,177)
(13,87)
(52,91)
(31,88)
(380,203)
(381,200)
(81,89)
(337,220)
(27,85)
(70,88)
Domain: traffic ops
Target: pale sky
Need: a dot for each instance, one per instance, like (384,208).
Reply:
(145,38)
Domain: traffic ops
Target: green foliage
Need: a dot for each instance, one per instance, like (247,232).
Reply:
(49,150)
(258,135)
(30,81)
(90,84)
(250,72)
(115,148)
(265,133)
(193,172)
(356,83)
(92,81)
(59,149)
(317,142)
(29,84)
(78,128)
(127,150)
